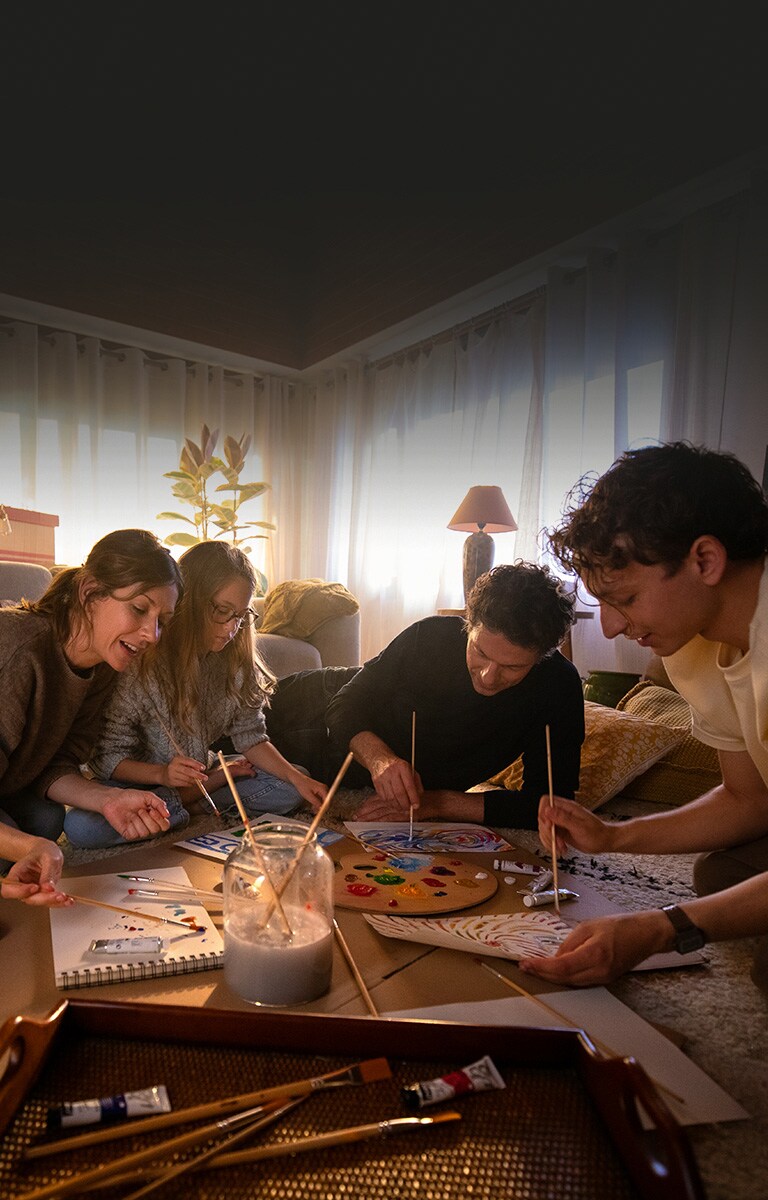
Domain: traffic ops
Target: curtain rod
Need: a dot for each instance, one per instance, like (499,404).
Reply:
(520,304)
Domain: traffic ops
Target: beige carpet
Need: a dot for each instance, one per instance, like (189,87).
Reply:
(722,1015)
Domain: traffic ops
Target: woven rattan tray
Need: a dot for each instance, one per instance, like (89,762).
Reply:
(566,1125)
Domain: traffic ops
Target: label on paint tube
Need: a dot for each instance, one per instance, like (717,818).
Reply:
(146,1103)
(480,1076)
(137,945)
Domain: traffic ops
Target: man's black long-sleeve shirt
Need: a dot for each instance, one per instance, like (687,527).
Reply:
(463,738)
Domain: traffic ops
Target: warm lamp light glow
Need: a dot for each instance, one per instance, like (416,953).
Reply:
(483,511)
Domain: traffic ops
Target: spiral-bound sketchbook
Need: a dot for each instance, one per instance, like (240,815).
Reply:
(94,946)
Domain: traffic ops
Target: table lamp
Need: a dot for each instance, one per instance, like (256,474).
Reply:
(483,511)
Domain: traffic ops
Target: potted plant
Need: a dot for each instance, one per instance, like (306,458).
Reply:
(192,485)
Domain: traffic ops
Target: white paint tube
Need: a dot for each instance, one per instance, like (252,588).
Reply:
(540,899)
(480,1076)
(146,1103)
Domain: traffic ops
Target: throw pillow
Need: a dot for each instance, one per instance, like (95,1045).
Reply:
(617,748)
(690,768)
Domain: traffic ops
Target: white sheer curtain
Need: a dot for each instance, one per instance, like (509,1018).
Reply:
(645,344)
(87,430)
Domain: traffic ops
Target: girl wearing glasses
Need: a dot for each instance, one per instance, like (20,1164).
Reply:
(204,682)
(59,659)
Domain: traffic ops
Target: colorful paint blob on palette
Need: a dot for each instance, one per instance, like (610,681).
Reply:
(410,883)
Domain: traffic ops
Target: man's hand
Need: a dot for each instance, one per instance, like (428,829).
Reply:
(136,814)
(599,951)
(575,826)
(33,878)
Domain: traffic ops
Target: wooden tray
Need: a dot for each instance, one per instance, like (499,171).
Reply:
(567,1122)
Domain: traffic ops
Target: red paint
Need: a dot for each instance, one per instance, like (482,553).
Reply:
(361,889)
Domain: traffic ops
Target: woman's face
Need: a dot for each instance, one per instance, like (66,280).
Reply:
(122,626)
(227,611)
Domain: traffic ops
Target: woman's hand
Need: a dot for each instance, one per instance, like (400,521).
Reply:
(136,814)
(311,790)
(183,772)
(574,825)
(239,769)
(33,878)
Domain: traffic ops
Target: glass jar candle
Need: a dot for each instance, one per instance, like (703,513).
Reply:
(278,917)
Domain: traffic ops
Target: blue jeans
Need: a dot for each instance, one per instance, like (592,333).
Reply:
(263,793)
(26,811)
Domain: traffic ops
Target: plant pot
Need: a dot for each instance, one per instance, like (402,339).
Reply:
(608,687)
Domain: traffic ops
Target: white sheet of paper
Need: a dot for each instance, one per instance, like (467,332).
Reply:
(600,1014)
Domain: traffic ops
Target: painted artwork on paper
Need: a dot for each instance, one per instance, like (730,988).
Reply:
(506,935)
(428,837)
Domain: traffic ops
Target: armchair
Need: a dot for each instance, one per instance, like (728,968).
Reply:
(22,581)
(334,642)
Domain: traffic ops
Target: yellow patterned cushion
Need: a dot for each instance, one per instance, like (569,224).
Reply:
(690,768)
(617,748)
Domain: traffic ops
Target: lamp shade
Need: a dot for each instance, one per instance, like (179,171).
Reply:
(483,508)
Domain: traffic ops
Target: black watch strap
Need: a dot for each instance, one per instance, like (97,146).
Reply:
(688,937)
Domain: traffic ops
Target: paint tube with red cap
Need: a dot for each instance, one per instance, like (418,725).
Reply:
(480,1076)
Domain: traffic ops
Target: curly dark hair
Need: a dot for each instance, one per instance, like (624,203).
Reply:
(525,603)
(652,504)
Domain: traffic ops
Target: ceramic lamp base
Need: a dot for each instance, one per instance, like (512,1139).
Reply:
(478,558)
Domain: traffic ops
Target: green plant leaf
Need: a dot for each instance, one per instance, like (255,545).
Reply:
(193,451)
(208,441)
(261,525)
(169,516)
(181,539)
(179,475)
(249,490)
(183,490)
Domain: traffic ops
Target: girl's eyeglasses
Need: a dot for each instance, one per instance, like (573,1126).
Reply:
(225,616)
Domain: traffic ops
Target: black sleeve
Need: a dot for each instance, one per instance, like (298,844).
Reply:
(565,716)
(357,707)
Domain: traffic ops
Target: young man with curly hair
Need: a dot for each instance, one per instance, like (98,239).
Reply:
(672,543)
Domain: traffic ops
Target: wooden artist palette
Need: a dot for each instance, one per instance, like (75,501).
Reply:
(410,883)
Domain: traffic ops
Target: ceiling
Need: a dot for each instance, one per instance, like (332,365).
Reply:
(386,192)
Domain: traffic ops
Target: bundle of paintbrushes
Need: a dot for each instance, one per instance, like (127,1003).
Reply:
(235,1119)
(164,889)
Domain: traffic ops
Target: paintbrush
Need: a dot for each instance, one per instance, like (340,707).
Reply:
(354,969)
(287,931)
(368,1071)
(307,836)
(198,782)
(413,771)
(554,835)
(195,1164)
(190,896)
(604,1049)
(128,912)
(105,1172)
(335,1137)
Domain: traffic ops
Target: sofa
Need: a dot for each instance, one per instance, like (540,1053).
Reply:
(22,581)
(305,624)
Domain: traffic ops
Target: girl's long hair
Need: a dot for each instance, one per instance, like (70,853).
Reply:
(176,659)
(126,558)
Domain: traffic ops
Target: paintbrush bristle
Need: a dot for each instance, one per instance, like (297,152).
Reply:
(371,1070)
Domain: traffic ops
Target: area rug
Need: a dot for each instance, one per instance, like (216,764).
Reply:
(719,1013)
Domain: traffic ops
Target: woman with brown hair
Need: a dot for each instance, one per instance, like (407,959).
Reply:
(59,659)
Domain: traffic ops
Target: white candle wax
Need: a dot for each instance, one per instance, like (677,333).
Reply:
(264,970)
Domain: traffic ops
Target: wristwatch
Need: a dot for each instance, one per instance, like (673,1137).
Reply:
(688,936)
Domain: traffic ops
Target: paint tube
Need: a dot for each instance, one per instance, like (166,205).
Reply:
(539,899)
(146,1103)
(137,945)
(480,1076)
(519,868)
